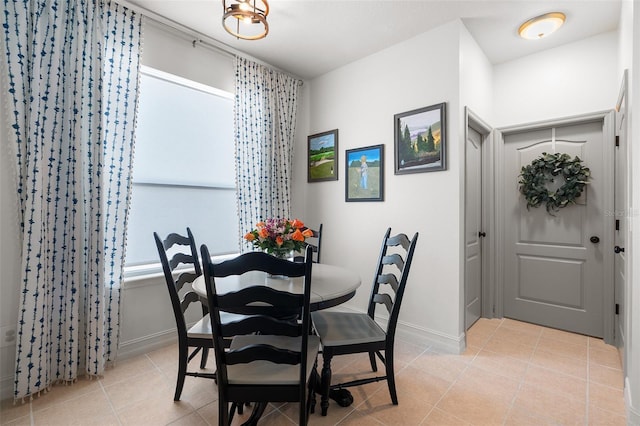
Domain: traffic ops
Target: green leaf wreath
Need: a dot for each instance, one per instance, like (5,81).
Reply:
(543,170)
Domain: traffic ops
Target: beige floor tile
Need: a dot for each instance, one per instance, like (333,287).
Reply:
(560,363)
(91,408)
(138,388)
(61,392)
(128,368)
(578,351)
(557,407)
(504,346)
(20,421)
(498,388)
(412,381)
(412,410)
(516,336)
(405,352)
(612,377)
(519,416)
(153,411)
(521,327)
(445,366)
(607,398)
(565,336)
(500,364)
(600,417)
(193,419)
(438,417)
(607,356)
(473,405)
(517,374)
(556,382)
(356,418)
(10,411)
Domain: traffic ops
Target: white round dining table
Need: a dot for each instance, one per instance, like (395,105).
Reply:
(330,285)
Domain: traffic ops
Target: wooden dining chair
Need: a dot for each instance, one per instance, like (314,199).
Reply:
(272,356)
(315,242)
(182,269)
(344,333)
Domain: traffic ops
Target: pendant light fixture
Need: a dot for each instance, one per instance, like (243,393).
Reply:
(246,19)
(541,26)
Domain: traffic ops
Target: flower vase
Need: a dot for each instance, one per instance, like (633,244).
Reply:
(280,254)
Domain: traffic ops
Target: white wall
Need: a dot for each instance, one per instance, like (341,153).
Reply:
(360,100)
(572,79)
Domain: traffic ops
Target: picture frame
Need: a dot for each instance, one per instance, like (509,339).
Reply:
(322,156)
(364,174)
(420,141)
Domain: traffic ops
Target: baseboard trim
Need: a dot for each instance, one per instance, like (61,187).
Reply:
(633,415)
(146,344)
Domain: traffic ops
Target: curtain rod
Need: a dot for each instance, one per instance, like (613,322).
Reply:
(196,37)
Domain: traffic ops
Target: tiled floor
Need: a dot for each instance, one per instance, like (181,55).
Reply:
(513,373)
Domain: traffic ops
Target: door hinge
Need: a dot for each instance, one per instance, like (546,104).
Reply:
(617,224)
(617,309)
(617,141)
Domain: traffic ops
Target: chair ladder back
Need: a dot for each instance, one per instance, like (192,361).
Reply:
(258,303)
(402,262)
(393,318)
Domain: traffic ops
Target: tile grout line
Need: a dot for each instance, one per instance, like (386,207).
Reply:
(521,382)
(113,409)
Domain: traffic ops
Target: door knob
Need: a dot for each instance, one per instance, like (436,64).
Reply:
(482,234)
(594,239)
(618,249)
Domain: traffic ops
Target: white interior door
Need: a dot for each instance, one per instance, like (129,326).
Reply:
(473,227)
(553,270)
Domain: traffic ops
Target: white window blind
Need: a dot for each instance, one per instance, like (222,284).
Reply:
(183,172)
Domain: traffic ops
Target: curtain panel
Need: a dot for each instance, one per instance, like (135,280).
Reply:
(265,121)
(72,93)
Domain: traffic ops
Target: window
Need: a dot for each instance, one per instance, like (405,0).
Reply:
(183,169)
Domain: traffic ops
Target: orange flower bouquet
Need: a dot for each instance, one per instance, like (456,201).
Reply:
(279,237)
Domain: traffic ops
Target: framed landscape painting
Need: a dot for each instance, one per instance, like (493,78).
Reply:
(364,170)
(420,140)
(322,162)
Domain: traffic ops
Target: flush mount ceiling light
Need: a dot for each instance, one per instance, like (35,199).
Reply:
(246,19)
(541,26)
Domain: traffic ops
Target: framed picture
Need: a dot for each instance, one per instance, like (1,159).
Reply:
(322,161)
(420,140)
(364,171)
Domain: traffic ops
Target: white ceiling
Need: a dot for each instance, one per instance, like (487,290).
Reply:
(311,37)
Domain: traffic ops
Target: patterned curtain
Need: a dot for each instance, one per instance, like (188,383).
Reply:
(265,122)
(72,92)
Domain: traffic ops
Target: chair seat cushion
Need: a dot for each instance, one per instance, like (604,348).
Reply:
(202,329)
(346,328)
(265,372)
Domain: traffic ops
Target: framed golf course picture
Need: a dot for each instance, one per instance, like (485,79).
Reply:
(322,160)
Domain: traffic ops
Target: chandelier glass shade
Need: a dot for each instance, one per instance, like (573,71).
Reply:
(246,19)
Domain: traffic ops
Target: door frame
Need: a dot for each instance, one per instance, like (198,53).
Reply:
(488,218)
(608,131)
(623,323)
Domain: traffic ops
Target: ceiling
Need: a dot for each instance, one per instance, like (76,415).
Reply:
(308,38)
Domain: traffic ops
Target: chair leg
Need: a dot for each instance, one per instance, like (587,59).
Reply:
(372,360)
(203,360)
(391,378)
(325,382)
(183,354)
(223,412)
